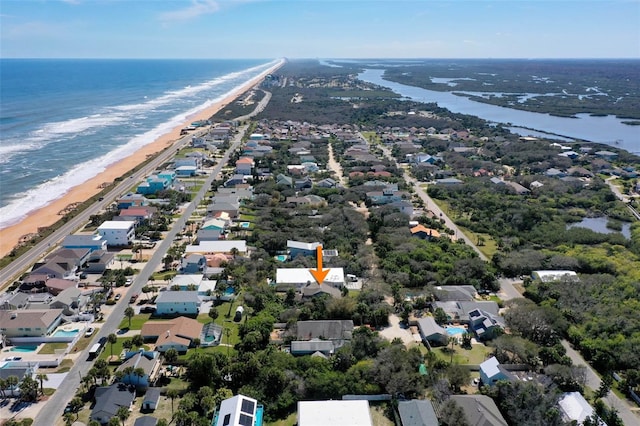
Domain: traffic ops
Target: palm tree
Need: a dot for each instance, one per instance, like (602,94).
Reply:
(3,385)
(129,313)
(112,338)
(196,343)
(172,394)
(139,373)
(42,377)
(11,382)
(170,356)
(213,314)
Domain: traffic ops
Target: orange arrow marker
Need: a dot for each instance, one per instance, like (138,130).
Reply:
(319,274)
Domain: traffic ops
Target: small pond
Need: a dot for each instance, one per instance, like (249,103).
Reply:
(599,224)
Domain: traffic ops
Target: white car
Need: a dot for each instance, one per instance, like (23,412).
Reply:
(89,332)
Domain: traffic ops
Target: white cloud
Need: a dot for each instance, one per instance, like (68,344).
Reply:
(197,8)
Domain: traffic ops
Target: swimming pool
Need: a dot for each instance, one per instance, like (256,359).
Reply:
(244,225)
(282,257)
(229,291)
(66,333)
(23,349)
(456,330)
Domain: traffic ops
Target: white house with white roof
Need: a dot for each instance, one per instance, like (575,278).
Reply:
(220,246)
(117,232)
(300,277)
(575,408)
(334,413)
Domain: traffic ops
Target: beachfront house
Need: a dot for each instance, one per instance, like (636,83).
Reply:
(117,232)
(178,303)
(131,200)
(29,323)
(154,184)
(92,242)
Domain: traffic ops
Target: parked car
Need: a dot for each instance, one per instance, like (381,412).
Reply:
(147,310)
(128,282)
(89,332)
(13,358)
(118,296)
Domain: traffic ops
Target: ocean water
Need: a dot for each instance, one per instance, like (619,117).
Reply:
(64,121)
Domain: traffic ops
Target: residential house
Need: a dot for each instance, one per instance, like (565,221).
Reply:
(153,184)
(424,233)
(299,248)
(234,180)
(209,235)
(178,333)
(194,282)
(63,263)
(457,293)
(334,413)
(449,181)
(99,261)
(300,277)
(117,233)
(215,224)
(9,302)
(244,166)
(20,372)
(56,285)
(70,300)
(147,420)
(314,289)
(327,183)
(417,412)
(29,323)
(149,363)
(186,171)
(575,409)
(92,242)
(132,200)
(304,183)
(554,173)
(432,332)
(193,264)
(218,206)
(485,325)
(479,410)
(607,155)
(313,346)
(339,331)
(282,180)
(212,247)
(150,400)
(109,399)
(549,276)
(239,410)
(137,214)
(491,372)
(403,206)
(178,303)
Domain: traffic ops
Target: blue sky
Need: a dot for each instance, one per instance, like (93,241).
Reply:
(319,29)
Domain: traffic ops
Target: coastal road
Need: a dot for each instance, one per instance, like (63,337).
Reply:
(19,265)
(55,406)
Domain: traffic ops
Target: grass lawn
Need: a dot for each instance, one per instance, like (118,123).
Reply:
(247,217)
(474,356)
(64,366)
(50,348)
(136,321)
(163,275)
(378,415)
(117,348)
(177,384)
(289,421)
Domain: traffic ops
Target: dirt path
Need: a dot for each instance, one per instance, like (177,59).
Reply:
(335,166)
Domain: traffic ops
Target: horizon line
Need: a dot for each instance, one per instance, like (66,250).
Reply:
(336,58)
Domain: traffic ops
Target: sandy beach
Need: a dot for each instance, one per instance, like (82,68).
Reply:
(48,215)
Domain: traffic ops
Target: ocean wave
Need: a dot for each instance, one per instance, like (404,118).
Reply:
(40,196)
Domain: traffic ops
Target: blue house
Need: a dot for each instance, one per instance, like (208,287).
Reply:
(178,303)
(154,184)
(297,248)
(491,372)
(132,200)
(147,361)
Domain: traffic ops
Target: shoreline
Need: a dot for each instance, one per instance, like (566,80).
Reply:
(48,215)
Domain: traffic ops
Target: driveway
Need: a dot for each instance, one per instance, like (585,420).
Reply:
(395,329)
